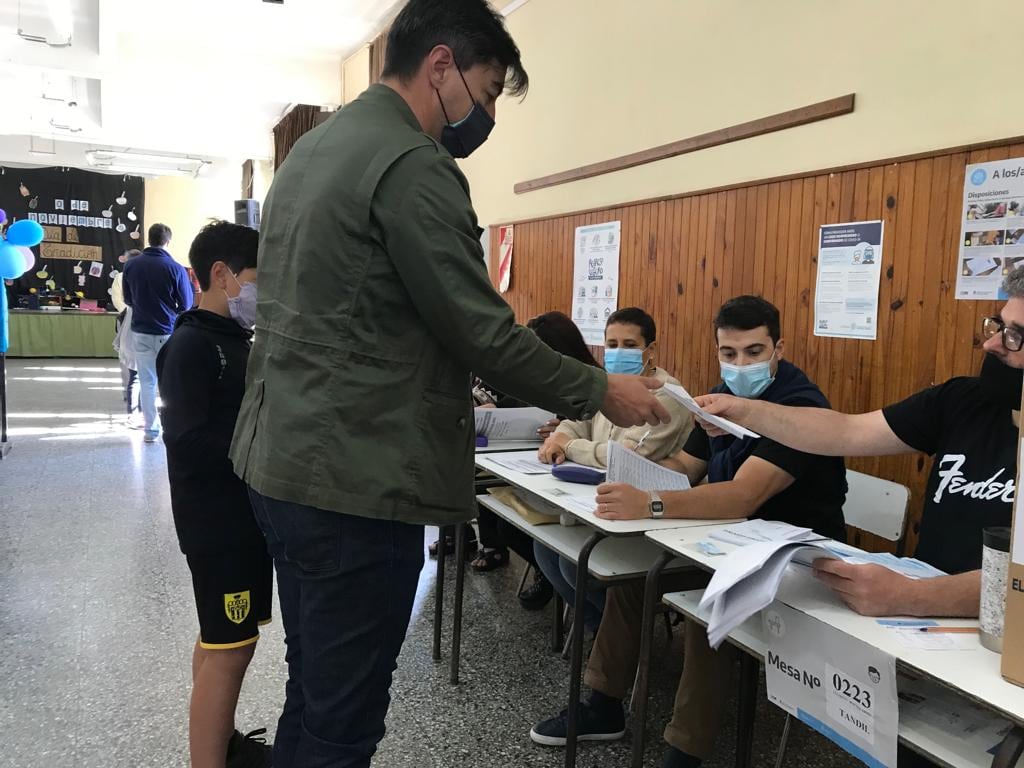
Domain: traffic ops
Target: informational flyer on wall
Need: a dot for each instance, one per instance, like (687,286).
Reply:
(595,285)
(991,229)
(849,270)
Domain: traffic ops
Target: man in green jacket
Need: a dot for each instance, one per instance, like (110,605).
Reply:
(357,427)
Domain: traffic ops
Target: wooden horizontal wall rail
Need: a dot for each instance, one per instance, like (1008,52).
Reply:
(842,105)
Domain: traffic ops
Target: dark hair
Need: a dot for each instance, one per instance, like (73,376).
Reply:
(635,316)
(471,28)
(131,253)
(233,244)
(159,235)
(561,334)
(745,313)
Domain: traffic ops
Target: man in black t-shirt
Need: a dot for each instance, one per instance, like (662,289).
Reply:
(969,425)
(751,477)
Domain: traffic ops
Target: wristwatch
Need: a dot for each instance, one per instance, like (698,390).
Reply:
(656,506)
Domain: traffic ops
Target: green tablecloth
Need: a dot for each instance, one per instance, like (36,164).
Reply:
(61,334)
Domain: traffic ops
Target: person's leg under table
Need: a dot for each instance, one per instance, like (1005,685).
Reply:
(702,694)
(356,579)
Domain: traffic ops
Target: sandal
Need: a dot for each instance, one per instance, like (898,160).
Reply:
(488,559)
(449,544)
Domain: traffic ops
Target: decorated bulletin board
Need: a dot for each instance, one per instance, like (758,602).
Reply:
(89,219)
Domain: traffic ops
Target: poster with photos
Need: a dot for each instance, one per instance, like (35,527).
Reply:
(595,285)
(991,228)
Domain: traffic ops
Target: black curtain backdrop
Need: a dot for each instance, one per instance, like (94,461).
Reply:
(87,226)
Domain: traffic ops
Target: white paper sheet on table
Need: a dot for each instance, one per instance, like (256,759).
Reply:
(936,641)
(525,462)
(750,531)
(626,466)
(510,423)
(943,713)
(678,393)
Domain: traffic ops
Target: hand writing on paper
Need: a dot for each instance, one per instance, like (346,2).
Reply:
(618,501)
(549,428)
(553,450)
(729,407)
(870,590)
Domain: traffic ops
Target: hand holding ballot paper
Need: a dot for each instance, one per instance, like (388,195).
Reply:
(714,425)
(748,578)
(631,475)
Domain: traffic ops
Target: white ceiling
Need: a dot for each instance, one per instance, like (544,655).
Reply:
(205,78)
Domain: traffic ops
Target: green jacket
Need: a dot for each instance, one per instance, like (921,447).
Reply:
(374,307)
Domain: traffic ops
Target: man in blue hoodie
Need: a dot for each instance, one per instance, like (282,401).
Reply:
(157,289)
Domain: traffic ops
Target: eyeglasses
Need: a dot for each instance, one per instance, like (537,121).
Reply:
(1013,340)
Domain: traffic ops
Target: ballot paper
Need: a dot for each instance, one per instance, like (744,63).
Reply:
(676,392)
(525,462)
(748,578)
(750,531)
(510,423)
(626,466)
(938,713)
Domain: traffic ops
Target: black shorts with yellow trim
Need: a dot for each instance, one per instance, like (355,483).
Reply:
(234,593)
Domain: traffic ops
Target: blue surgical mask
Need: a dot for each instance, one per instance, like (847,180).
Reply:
(748,381)
(624,360)
(464,137)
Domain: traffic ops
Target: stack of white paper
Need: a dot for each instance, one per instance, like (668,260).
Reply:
(678,393)
(748,579)
(511,423)
(750,531)
(525,462)
(629,467)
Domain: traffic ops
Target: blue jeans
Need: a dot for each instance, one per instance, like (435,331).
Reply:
(562,575)
(346,586)
(147,347)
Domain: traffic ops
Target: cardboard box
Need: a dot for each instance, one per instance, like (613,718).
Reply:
(1013,626)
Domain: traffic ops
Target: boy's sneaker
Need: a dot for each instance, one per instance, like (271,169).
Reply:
(151,437)
(249,751)
(591,725)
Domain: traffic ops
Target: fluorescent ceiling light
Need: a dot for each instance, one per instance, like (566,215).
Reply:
(147,165)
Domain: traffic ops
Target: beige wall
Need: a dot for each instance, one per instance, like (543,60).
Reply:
(610,77)
(186,205)
(355,74)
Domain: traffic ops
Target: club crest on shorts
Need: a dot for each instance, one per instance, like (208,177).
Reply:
(236,606)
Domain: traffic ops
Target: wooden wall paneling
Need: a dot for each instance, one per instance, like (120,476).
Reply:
(947,339)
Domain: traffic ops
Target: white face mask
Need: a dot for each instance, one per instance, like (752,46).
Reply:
(243,306)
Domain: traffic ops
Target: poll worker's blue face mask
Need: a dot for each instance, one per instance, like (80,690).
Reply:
(464,137)
(748,381)
(624,360)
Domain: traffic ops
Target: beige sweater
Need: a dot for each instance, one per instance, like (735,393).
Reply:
(590,438)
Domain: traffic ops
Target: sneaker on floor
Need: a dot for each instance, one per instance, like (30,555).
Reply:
(591,726)
(151,437)
(249,751)
(538,594)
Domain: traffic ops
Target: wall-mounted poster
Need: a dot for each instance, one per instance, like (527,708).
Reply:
(595,285)
(991,228)
(849,271)
(49,196)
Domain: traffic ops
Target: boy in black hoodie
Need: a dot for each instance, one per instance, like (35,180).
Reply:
(201,370)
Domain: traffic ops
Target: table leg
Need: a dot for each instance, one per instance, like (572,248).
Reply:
(639,700)
(460,580)
(1010,750)
(557,626)
(747,704)
(576,669)
(442,534)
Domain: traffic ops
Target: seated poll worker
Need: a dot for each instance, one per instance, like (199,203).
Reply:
(746,477)
(630,340)
(968,424)
(630,346)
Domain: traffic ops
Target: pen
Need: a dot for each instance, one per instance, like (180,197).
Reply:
(950,630)
(647,434)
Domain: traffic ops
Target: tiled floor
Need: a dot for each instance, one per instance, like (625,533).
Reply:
(97,622)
